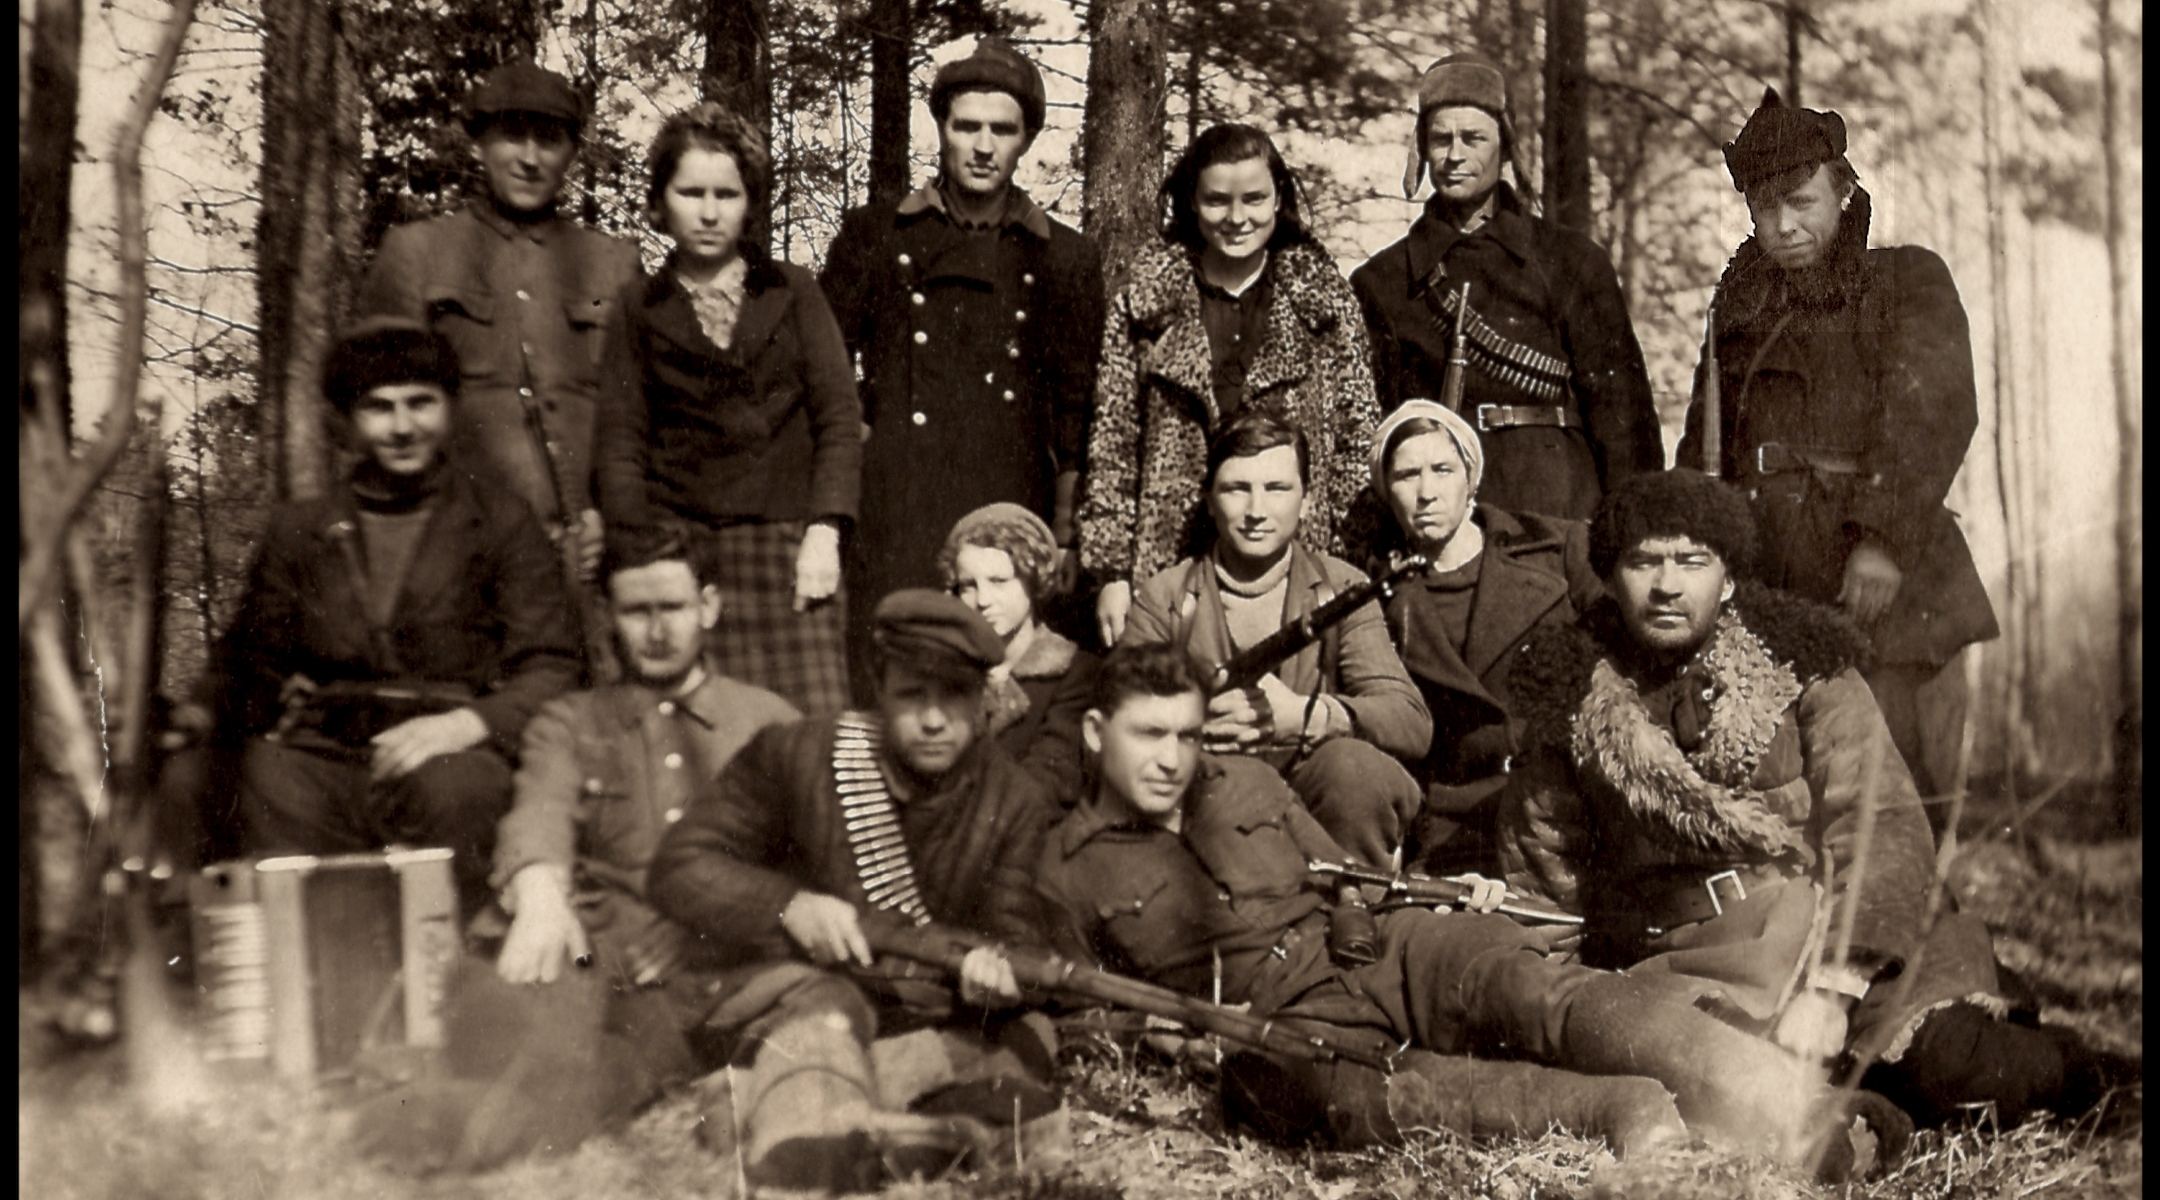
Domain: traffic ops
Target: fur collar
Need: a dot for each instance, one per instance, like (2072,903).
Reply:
(1165,288)
(1048,656)
(1753,289)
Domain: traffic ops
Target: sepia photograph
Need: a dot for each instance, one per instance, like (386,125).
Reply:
(1080,599)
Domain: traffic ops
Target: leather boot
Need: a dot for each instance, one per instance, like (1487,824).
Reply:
(1963,1055)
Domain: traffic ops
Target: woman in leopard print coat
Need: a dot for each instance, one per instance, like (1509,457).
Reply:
(1237,306)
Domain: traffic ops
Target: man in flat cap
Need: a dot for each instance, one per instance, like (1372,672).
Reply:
(903,814)
(1555,383)
(396,634)
(524,294)
(1837,385)
(977,318)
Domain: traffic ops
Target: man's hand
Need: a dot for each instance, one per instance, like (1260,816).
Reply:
(1291,710)
(1111,609)
(591,537)
(986,979)
(817,565)
(400,749)
(1485,894)
(657,953)
(545,933)
(826,929)
(1872,580)
(1238,721)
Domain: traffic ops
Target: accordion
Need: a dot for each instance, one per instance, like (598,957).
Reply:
(303,963)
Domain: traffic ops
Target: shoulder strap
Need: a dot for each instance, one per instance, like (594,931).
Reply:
(382,648)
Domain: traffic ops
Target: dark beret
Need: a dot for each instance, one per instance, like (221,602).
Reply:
(1682,502)
(524,87)
(913,622)
(1781,138)
(994,64)
(380,351)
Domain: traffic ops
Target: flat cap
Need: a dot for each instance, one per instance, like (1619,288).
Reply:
(914,621)
(381,351)
(524,87)
(994,64)
(1781,138)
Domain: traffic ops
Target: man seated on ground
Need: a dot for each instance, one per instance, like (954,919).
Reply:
(1190,870)
(396,634)
(548,1051)
(817,829)
(1703,756)
(1337,716)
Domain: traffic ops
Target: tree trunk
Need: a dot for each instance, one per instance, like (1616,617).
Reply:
(738,73)
(1567,116)
(308,235)
(2126,366)
(2009,468)
(1122,144)
(892,64)
(1794,15)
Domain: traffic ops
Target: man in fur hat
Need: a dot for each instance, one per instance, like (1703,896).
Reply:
(978,318)
(1556,385)
(1843,386)
(1708,781)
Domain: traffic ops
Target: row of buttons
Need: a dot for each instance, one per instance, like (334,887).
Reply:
(1026,277)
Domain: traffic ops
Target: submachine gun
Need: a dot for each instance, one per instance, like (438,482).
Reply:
(1246,668)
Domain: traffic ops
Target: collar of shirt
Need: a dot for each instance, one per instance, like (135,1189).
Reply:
(1252,291)
(705,704)
(1431,237)
(1093,815)
(1020,209)
(540,231)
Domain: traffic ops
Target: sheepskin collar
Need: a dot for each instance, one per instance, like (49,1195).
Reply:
(1048,656)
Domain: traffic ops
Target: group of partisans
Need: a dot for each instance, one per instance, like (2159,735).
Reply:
(1678,707)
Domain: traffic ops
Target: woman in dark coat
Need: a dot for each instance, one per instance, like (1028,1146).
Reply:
(1236,307)
(731,403)
(999,560)
(1556,385)
(1497,577)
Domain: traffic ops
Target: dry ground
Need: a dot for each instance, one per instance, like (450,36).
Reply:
(2069,926)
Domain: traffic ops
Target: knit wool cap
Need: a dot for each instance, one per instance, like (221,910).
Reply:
(1458,430)
(1004,526)
(382,351)
(995,65)
(1458,81)
(1682,502)
(915,622)
(524,87)
(1781,138)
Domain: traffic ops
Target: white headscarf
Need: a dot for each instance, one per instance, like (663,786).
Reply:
(1458,430)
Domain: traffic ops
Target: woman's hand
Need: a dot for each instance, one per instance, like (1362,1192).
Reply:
(1111,609)
(817,565)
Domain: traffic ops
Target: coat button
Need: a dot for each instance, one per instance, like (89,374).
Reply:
(1020,314)
(920,419)
(1008,395)
(1028,279)
(525,392)
(921,338)
(527,348)
(989,376)
(673,761)
(522,294)
(667,708)
(905,261)
(673,815)
(918,298)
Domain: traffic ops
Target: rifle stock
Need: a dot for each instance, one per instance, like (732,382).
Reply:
(1424,889)
(945,947)
(1247,667)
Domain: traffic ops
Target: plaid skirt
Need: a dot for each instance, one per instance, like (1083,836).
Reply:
(761,639)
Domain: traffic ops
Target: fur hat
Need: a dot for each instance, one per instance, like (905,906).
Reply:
(1678,503)
(1781,138)
(1459,81)
(997,66)
(524,87)
(381,351)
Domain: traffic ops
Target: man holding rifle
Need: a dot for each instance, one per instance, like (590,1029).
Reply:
(817,835)
(1192,871)
(1335,716)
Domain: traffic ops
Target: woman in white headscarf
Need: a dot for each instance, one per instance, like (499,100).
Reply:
(1496,577)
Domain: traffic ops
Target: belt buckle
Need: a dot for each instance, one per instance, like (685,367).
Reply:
(1762,467)
(1482,409)
(1710,886)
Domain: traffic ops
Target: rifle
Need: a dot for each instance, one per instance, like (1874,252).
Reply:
(1408,889)
(1458,363)
(943,946)
(1245,669)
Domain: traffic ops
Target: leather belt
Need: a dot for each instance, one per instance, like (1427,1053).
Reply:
(1508,416)
(1778,458)
(1699,898)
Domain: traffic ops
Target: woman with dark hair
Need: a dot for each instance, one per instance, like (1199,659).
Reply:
(1000,560)
(730,402)
(1237,308)
(1496,577)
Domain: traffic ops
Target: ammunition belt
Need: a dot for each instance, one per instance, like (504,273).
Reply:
(872,821)
(1497,356)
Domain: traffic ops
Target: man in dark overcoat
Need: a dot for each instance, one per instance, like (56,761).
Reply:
(977,318)
(524,294)
(1843,383)
(1555,383)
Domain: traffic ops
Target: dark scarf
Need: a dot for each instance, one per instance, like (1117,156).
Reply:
(379,491)
(1754,289)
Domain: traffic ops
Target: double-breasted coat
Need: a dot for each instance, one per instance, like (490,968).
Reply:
(527,306)
(1550,342)
(978,359)
(1155,407)
(1846,406)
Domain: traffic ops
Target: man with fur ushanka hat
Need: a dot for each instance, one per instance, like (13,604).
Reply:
(1701,758)
(1843,380)
(1556,385)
